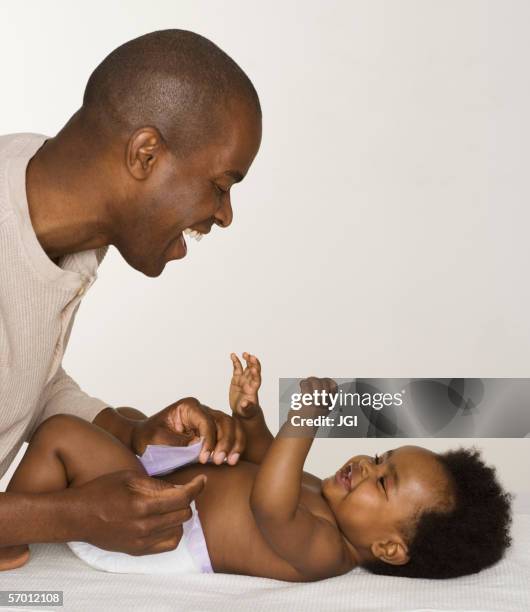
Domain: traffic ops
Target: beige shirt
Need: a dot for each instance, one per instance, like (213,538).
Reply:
(38,303)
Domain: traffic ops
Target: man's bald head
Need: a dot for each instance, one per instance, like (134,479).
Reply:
(169,124)
(174,80)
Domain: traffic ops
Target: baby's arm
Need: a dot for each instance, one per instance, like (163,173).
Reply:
(311,544)
(244,402)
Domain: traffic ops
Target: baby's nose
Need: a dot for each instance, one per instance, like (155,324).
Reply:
(365,466)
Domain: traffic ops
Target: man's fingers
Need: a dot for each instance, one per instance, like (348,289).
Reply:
(225,437)
(162,542)
(175,497)
(194,486)
(170,438)
(158,524)
(240,442)
(202,423)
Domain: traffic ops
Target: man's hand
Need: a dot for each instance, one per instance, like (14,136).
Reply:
(244,386)
(130,513)
(187,421)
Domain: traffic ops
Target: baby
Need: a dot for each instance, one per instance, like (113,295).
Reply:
(409,512)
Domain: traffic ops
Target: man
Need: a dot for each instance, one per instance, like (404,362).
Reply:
(168,124)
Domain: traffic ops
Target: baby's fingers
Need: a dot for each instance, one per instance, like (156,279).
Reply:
(255,376)
(251,361)
(238,368)
(255,362)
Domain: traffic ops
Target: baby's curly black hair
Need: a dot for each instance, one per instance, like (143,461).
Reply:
(472,536)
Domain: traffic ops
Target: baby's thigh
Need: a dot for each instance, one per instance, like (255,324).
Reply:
(86,450)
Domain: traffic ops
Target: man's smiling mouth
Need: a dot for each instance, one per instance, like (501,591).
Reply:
(193,233)
(182,248)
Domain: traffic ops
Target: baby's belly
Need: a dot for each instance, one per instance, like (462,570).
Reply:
(234,542)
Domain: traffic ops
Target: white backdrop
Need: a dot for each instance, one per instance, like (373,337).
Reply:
(382,230)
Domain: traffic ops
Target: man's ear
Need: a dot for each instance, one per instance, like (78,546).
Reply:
(144,150)
(393,551)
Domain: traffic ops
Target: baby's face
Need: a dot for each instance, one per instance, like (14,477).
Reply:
(370,500)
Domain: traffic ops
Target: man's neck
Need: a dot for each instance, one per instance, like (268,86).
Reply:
(65,198)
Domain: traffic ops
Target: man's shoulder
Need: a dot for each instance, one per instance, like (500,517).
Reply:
(15,145)
(17,148)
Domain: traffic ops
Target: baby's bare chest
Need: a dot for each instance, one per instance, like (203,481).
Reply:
(235,543)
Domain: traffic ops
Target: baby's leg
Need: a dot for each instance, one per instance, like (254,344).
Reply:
(65,451)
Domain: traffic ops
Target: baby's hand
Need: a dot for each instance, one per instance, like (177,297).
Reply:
(243,393)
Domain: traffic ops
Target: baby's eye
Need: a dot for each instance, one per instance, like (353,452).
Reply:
(381,480)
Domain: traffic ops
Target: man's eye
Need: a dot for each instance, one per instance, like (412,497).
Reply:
(382,481)
(219,190)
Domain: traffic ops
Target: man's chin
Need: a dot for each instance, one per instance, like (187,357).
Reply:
(153,273)
(152,269)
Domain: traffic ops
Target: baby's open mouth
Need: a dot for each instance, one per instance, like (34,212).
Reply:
(343,476)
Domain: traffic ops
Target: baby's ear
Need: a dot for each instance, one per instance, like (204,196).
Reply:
(392,551)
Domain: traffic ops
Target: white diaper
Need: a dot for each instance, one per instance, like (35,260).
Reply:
(190,556)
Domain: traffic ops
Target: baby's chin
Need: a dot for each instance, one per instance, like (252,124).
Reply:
(329,492)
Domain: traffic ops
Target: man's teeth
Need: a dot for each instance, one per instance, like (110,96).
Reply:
(193,233)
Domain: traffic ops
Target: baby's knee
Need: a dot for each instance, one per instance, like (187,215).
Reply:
(57,427)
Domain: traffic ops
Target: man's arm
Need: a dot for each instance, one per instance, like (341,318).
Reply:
(311,544)
(173,425)
(65,396)
(36,518)
(119,422)
(119,511)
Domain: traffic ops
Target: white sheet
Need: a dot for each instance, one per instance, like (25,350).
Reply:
(503,588)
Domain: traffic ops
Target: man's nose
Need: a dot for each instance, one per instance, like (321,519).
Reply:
(223,217)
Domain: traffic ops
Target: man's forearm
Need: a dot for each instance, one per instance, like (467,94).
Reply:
(27,518)
(119,422)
